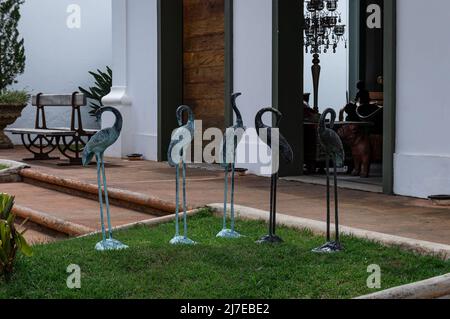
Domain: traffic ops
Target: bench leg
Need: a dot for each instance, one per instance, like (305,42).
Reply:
(72,150)
(40,146)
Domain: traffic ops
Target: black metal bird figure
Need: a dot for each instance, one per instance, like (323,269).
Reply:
(228,147)
(180,142)
(334,150)
(97,146)
(286,154)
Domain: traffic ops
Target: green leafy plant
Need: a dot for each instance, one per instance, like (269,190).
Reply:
(103,84)
(12,49)
(11,240)
(14,97)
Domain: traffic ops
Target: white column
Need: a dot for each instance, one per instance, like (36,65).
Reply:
(119,97)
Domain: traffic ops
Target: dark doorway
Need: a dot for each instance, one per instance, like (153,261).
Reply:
(371,44)
(371,33)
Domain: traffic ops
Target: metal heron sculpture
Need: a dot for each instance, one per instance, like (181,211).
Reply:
(97,146)
(232,137)
(334,149)
(286,154)
(180,142)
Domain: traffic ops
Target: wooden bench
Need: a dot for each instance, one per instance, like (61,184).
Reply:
(41,140)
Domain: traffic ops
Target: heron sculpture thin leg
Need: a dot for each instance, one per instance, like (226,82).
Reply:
(233,221)
(225,203)
(225,232)
(100,198)
(108,213)
(274,214)
(177,199)
(107,243)
(272,237)
(336,211)
(331,246)
(184,203)
(328,199)
(178,239)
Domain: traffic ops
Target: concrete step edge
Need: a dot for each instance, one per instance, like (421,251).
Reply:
(51,222)
(122,198)
(433,288)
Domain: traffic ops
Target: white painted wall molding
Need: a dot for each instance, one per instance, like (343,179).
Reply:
(118,97)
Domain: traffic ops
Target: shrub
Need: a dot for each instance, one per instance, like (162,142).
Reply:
(103,84)
(14,97)
(11,241)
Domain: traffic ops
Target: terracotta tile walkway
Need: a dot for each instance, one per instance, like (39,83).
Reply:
(400,216)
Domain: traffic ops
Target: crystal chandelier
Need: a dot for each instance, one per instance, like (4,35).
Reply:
(323,32)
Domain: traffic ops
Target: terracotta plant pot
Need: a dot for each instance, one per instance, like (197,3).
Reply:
(8,115)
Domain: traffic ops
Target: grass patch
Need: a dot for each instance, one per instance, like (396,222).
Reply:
(14,97)
(215,268)
(2,167)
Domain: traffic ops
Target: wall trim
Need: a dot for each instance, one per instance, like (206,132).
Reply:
(287,82)
(170,70)
(229,58)
(390,93)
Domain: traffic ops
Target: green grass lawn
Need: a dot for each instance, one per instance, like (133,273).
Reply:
(3,167)
(215,268)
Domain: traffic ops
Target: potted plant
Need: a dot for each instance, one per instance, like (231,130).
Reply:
(12,64)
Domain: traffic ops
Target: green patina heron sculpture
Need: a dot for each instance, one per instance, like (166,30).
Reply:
(334,149)
(283,150)
(233,136)
(97,146)
(180,142)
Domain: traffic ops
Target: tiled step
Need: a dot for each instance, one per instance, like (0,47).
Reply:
(37,234)
(64,213)
(118,197)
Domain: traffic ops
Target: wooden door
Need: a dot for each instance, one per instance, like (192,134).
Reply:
(204,60)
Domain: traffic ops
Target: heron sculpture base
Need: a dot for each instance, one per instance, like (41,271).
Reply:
(181,240)
(329,248)
(228,233)
(110,244)
(270,239)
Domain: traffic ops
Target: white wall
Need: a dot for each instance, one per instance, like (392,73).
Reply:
(334,74)
(135,84)
(59,58)
(143,75)
(252,67)
(422,159)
